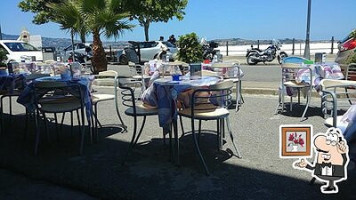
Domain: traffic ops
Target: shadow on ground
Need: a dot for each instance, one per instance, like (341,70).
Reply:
(148,174)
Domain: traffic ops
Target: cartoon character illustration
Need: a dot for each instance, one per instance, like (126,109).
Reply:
(330,161)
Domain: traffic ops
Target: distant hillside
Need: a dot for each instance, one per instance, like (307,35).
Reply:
(239,41)
(61,43)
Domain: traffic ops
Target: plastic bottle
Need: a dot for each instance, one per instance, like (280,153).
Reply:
(215,59)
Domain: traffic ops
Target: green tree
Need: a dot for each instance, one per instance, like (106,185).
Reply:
(148,11)
(43,12)
(190,50)
(3,57)
(99,17)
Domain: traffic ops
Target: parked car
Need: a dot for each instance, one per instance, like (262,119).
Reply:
(347,48)
(19,51)
(148,51)
(82,50)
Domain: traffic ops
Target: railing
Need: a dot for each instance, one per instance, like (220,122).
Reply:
(294,48)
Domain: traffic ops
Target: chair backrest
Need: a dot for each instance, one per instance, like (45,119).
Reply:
(351,72)
(337,96)
(129,86)
(293,59)
(296,72)
(135,69)
(57,89)
(209,73)
(217,95)
(34,76)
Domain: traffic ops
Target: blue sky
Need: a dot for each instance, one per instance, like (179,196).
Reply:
(215,19)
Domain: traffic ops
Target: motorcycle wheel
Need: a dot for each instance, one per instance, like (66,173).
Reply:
(249,60)
(123,60)
(281,56)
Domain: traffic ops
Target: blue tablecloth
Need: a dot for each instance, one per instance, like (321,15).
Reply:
(164,95)
(27,97)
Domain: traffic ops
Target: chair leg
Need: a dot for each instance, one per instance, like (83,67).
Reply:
(46,125)
(37,140)
(56,125)
(118,113)
(79,123)
(348,97)
(132,141)
(181,125)
(176,139)
(71,123)
(141,129)
(239,99)
(232,137)
(26,124)
(10,109)
(1,117)
(306,106)
(218,134)
(62,122)
(282,98)
(82,132)
(2,114)
(170,143)
(197,149)
(199,133)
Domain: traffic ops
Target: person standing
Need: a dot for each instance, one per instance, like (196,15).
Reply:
(172,40)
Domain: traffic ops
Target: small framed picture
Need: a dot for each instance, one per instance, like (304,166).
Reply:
(295,140)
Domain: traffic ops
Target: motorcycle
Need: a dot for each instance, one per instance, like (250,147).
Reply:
(256,55)
(209,51)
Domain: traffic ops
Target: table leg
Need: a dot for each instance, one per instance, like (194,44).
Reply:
(176,141)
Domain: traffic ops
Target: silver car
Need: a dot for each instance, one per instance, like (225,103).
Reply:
(148,51)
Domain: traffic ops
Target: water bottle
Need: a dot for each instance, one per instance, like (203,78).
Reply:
(215,58)
(167,58)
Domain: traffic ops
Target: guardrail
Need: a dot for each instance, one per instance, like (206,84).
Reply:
(295,48)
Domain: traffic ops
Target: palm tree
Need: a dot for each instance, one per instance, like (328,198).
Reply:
(97,17)
(103,17)
(68,15)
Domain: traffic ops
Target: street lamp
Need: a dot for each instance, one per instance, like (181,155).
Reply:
(307,47)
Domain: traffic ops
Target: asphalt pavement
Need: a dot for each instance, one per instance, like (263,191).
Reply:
(58,172)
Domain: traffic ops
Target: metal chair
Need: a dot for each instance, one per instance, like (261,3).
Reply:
(103,78)
(236,79)
(214,107)
(335,97)
(135,109)
(54,97)
(289,81)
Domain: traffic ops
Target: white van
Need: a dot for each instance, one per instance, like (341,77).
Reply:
(19,50)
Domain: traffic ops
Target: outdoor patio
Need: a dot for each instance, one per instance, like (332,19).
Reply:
(148,173)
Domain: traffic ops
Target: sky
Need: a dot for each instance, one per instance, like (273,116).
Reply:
(219,19)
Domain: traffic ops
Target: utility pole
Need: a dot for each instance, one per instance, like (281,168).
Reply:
(307,39)
(0,33)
